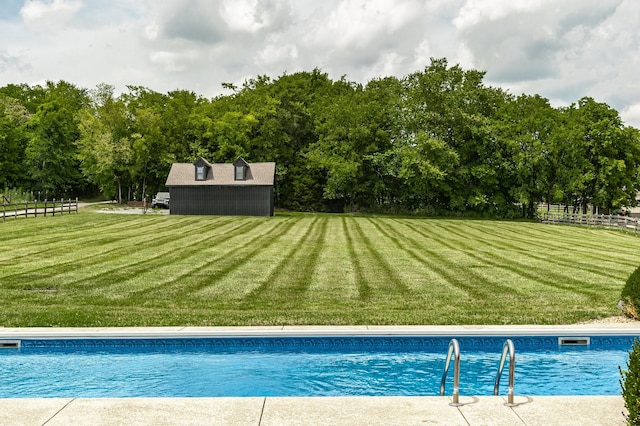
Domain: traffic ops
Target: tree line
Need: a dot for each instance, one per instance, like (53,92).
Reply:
(437,141)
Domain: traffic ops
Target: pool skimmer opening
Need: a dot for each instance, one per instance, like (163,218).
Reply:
(9,344)
(574,341)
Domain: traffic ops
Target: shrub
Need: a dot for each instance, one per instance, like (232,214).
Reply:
(630,383)
(631,295)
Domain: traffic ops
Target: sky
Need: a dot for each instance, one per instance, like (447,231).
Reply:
(562,50)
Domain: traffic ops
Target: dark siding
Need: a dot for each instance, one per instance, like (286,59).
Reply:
(222,200)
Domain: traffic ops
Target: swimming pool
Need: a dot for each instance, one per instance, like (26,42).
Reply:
(293,365)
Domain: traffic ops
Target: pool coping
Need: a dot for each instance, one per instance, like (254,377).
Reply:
(624,329)
(283,411)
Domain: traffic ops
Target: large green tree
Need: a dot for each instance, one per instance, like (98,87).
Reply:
(452,105)
(105,145)
(608,153)
(526,125)
(13,140)
(438,141)
(51,153)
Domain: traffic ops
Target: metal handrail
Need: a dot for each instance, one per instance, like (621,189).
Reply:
(507,347)
(454,349)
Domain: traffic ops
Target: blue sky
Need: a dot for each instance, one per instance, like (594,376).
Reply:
(562,50)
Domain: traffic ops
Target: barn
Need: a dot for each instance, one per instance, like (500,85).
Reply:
(239,188)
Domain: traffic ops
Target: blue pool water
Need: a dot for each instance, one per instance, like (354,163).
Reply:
(304,366)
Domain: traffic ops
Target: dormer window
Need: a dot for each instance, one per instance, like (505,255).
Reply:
(202,168)
(200,173)
(240,169)
(239,173)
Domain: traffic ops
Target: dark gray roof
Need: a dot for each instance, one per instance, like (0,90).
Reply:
(184,174)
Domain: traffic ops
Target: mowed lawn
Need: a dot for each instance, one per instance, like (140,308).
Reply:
(92,269)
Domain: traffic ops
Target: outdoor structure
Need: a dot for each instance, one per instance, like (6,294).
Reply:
(635,211)
(240,188)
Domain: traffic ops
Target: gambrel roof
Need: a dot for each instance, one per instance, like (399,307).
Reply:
(221,174)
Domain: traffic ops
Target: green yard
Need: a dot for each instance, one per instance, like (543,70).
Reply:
(91,269)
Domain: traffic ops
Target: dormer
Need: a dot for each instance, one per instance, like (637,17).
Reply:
(240,169)
(202,168)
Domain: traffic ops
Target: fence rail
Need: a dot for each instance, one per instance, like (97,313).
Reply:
(603,221)
(35,209)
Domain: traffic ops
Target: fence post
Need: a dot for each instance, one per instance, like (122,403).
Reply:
(76,204)
(15,210)
(53,213)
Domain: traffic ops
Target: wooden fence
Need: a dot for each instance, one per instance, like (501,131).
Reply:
(35,209)
(602,221)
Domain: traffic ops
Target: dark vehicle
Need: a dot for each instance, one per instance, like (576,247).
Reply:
(160,200)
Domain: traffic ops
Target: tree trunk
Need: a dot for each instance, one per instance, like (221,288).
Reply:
(119,190)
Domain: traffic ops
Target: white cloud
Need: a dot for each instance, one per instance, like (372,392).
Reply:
(275,54)
(475,12)
(10,61)
(631,115)
(53,15)
(529,40)
(390,63)
(152,31)
(355,24)
(240,15)
(562,50)
(422,54)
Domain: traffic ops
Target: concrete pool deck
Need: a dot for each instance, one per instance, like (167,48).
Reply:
(262,411)
(272,411)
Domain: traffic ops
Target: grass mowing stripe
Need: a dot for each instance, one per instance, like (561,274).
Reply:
(364,289)
(304,275)
(598,269)
(564,239)
(162,275)
(510,263)
(53,234)
(72,274)
(144,256)
(23,249)
(590,260)
(45,230)
(291,277)
(448,266)
(396,283)
(324,260)
(427,285)
(120,258)
(96,239)
(408,260)
(233,258)
(333,282)
(124,253)
(559,241)
(254,268)
(382,279)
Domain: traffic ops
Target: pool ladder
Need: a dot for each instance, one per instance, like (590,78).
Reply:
(454,350)
(507,348)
